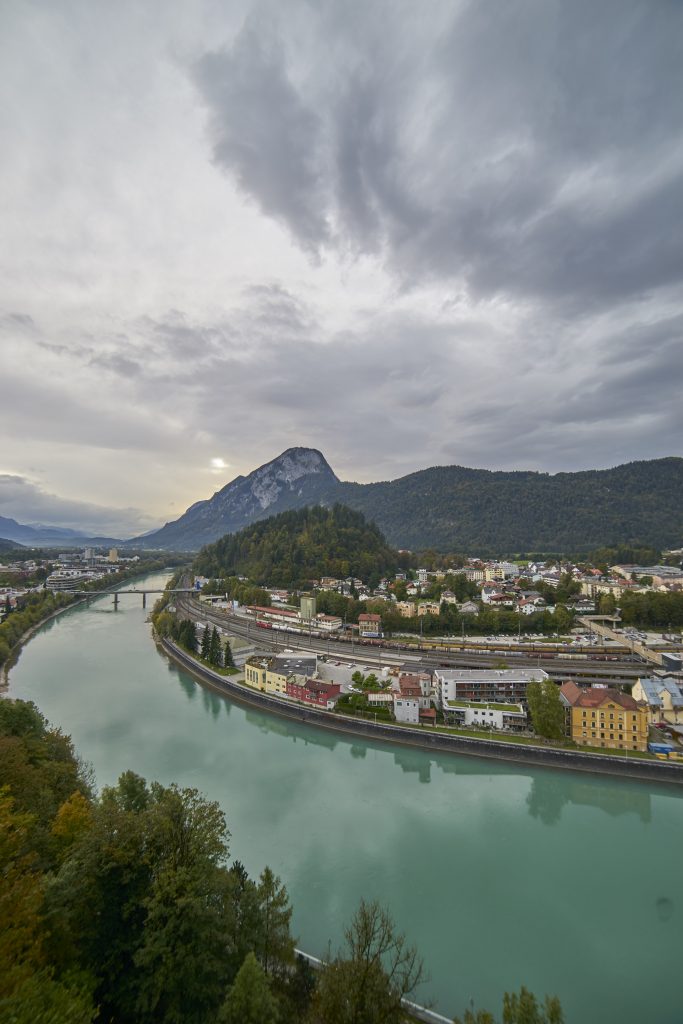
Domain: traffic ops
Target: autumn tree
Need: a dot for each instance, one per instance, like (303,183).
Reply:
(522,1008)
(376,972)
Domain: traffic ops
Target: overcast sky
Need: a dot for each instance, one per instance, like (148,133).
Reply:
(407,234)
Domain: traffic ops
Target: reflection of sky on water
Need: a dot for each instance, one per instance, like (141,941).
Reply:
(502,874)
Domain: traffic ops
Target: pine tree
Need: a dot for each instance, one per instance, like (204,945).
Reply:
(206,644)
(250,1000)
(275,947)
(228,659)
(215,648)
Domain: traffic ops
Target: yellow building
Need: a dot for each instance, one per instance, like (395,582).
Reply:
(428,608)
(271,674)
(602,717)
(663,697)
(406,608)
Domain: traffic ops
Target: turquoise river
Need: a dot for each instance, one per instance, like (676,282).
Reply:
(501,875)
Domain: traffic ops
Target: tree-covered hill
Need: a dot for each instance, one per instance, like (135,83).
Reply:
(9,546)
(453,508)
(293,547)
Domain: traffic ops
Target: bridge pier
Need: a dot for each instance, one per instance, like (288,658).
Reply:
(144,599)
(116,602)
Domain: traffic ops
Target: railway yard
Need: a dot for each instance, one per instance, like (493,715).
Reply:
(608,662)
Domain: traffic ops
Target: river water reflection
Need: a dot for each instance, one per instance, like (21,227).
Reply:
(502,875)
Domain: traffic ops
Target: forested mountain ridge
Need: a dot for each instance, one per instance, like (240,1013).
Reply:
(452,508)
(294,547)
(479,510)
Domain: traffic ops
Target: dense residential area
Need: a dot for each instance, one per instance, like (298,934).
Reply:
(557,606)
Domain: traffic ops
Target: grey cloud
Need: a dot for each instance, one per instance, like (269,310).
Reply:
(264,130)
(599,413)
(529,149)
(47,409)
(17,320)
(27,502)
(117,363)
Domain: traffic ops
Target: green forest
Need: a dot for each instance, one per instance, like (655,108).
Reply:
(124,907)
(290,549)
(451,508)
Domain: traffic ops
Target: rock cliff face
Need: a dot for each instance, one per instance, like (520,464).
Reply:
(298,477)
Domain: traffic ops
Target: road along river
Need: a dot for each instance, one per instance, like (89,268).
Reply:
(503,875)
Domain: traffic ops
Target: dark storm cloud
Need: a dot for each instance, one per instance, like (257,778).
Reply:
(531,149)
(271,135)
(625,405)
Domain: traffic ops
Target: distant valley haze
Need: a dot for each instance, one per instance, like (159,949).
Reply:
(402,235)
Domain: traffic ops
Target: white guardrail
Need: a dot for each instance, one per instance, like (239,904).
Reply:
(417,1011)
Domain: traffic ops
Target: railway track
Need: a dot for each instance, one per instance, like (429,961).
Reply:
(587,669)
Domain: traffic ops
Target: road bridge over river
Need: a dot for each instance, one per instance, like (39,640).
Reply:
(131,590)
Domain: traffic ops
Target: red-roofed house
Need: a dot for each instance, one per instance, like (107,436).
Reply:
(314,691)
(369,625)
(601,717)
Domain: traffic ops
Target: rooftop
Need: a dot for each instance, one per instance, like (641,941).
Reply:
(594,697)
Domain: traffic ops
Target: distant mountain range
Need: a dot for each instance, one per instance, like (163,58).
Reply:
(7,546)
(50,536)
(451,508)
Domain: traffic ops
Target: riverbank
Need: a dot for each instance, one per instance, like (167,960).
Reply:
(16,649)
(340,817)
(548,757)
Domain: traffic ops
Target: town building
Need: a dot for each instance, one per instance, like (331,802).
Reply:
(380,698)
(272,674)
(500,686)
(327,623)
(507,717)
(406,709)
(428,608)
(602,717)
(313,691)
(406,608)
(661,575)
(275,616)
(369,625)
(469,608)
(663,698)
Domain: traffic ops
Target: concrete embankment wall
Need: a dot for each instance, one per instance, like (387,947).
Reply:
(634,768)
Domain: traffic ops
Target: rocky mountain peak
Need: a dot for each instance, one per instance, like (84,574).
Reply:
(297,477)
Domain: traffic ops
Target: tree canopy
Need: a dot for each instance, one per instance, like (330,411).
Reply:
(294,547)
